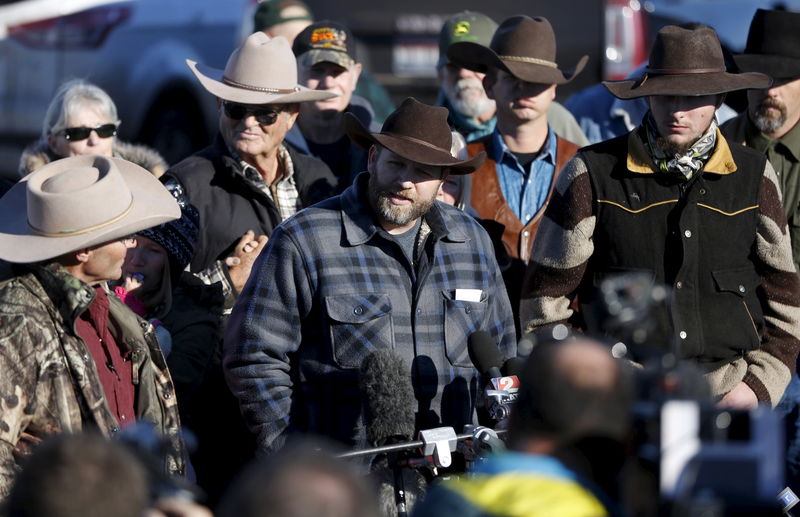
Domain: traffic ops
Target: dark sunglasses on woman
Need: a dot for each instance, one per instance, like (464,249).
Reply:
(75,134)
(236,111)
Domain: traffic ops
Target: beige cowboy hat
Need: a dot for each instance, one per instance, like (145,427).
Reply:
(418,133)
(522,46)
(77,203)
(261,71)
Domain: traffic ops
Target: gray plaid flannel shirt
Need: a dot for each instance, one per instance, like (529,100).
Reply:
(330,287)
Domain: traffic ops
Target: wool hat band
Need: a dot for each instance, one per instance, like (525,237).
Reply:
(70,233)
(416,141)
(231,82)
(676,71)
(533,60)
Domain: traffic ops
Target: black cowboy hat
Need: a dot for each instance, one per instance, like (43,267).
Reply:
(417,132)
(686,62)
(522,46)
(773,45)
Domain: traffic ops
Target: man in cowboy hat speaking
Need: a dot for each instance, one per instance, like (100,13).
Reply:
(381,266)
(71,356)
(524,153)
(248,181)
(675,200)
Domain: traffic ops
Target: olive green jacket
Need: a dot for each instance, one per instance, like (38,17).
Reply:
(784,155)
(48,379)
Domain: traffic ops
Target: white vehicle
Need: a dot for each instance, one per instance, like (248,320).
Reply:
(136,50)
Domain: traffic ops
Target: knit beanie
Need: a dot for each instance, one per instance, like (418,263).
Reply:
(177,237)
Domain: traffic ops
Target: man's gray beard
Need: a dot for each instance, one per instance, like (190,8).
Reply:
(471,106)
(764,121)
(398,215)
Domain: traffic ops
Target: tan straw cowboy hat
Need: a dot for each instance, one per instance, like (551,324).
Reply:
(686,62)
(418,133)
(77,203)
(261,71)
(522,46)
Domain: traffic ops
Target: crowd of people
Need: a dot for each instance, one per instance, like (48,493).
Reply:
(164,326)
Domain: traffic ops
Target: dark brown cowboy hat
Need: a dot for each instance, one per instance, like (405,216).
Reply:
(522,46)
(686,62)
(773,45)
(417,132)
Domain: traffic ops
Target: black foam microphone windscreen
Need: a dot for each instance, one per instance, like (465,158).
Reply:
(513,366)
(387,398)
(484,353)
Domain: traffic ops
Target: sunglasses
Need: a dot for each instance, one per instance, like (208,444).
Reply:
(264,116)
(76,134)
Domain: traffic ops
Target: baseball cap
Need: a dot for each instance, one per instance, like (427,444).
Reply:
(272,12)
(325,41)
(465,26)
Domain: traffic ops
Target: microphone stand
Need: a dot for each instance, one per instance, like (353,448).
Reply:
(399,486)
(403,446)
(397,454)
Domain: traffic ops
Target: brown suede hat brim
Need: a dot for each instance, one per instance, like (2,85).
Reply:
(686,84)
(409,148)
(479,58)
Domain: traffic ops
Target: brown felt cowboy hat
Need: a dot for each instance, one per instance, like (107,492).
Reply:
(686,62)
(522,46)
(261,71)
(773,45)
(417,132)
(77,203)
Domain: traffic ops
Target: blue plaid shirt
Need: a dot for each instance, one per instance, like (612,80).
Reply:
(330,287)
(524,191)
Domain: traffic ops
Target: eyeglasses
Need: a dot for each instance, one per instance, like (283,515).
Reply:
(236,111)
(76,134)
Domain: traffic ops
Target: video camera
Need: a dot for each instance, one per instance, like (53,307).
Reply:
(704,460)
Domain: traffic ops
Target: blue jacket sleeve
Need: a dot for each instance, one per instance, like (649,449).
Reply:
(262,332)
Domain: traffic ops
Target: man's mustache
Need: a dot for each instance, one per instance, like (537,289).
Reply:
(468,84)
(771,103)
(406,193)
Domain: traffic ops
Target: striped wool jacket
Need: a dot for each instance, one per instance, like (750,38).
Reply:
(719,241)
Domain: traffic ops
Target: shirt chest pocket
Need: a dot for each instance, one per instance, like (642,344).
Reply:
(359,324)
(461,318)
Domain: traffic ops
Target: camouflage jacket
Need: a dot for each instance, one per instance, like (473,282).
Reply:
(48,379)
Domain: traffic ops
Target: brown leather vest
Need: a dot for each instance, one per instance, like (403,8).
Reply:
(488,201)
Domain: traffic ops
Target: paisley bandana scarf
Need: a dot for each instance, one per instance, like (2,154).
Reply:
(686,163)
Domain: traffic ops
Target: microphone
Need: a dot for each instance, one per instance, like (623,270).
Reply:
(384,382)
(484,354)
(513,367)
(501,391)
(388,398)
